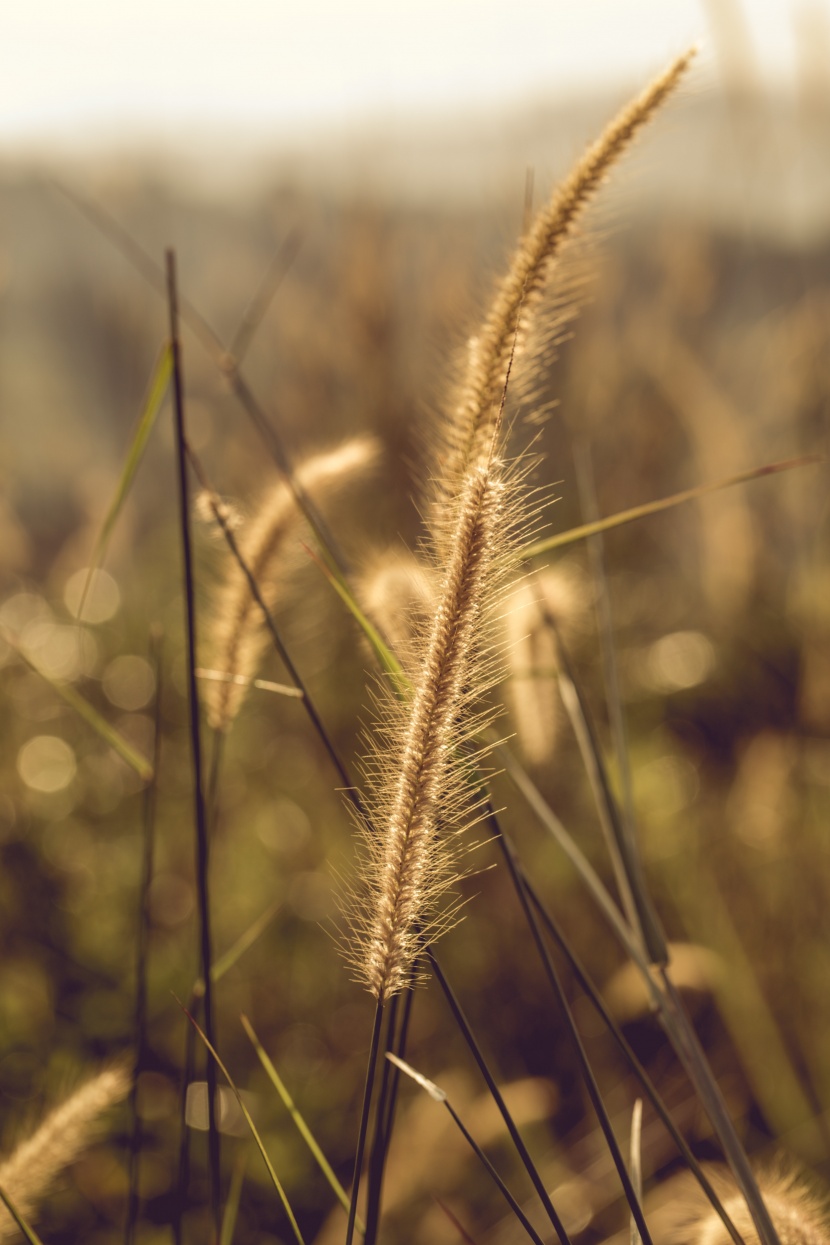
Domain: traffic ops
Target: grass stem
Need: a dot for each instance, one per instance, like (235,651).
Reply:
(371,1068)
(498,1099)
(201,827)
(142,944)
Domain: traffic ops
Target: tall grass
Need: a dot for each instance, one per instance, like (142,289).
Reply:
(534,1031)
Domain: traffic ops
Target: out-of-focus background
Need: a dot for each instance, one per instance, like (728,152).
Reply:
(396,150)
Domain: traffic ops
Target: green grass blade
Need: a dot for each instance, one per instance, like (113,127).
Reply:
(90,715)
(275,1180)
(305,1132)
(245,940)
(153,402)
(29,1232)
(232,1204)
(664,503)
(386,657)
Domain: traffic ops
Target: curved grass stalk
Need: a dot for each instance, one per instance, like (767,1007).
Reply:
(515,305)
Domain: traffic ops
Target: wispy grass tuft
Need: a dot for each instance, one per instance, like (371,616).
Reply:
(420,792)
(29,1171)
(237,639)
(517,299)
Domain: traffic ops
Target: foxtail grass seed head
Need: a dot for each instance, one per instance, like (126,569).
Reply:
(556,595)
(29,1171)
(238,638)
(516,303)
(420,795)
(422,787)
(800,1217)
(398,592)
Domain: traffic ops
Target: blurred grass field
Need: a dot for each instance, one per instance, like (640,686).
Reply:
(702,352)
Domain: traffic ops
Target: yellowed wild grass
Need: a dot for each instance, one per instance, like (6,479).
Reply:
(517,299)
(420,784)
(420,793)
(799,1215)
(27,1174)
(238,638)
(398,593)
(533,654)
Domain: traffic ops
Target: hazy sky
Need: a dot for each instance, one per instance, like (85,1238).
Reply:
(92,70)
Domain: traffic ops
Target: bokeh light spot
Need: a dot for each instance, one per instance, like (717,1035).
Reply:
(680,660)
(102,599)
(129,682)
(46,763)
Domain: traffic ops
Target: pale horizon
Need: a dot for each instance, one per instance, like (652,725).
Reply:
(95,76)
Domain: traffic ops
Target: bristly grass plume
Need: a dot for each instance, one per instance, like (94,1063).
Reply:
(420,783)
(516,302)
(800,1216)
(238,640)
(29,1171)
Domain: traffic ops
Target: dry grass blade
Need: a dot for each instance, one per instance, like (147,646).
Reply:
(305,1132)
(574,534)
(636,1162)
(234,1198)
(295,1227)
(19,1220)
(89,713)
(153,402)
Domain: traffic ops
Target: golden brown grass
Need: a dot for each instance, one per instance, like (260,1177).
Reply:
(516,302)
(533,654)
(238,640)
(420,795)
(420,791)
(799,1215)
(30,1170)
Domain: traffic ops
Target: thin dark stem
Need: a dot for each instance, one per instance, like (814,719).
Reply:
(225,361)
(268,618)
(636,901)
(639,1071)
(195,742)
(587,1072)
(685,1041)
(214,769)
(183,1162)
(276,449)
(503,1189)
(588,498)
(142,945)
(400,1051)
(371,1068)
(257,308)
(380,1139)
(495,1092)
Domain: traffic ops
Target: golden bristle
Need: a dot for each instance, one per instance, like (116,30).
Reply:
(422,796)
(798,1214)
(30,1169)
(238,638)
(398,593)
(515,305)
(554,595)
